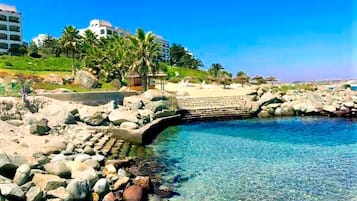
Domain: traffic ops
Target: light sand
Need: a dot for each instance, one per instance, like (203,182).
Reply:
(198,90)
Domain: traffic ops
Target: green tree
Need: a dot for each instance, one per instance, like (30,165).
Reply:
(70,42)
(145,55)
(33,51)
(215,69)
(17,50)
(51,47)
(259,80)
(88,41)
(180,57)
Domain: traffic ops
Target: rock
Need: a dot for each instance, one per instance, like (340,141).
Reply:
(22,174)
(133,193)
(165,192)
(58,168)
(99,158)
(119,116)
(109,170)
(85,79)
(59,114)
(143,182)
(109,107)
(122,173)
(7,167)
(34,194)
(53,147)
(129,125)
(264,114)
(12,192)
(38,125)
(89,150)
(92,163)
(68,79)
(164,113)
(26,187)
(153,95)
(53,79)
(4,180)
(110,197)
(61,193)
(82,157)
(82,171)
(15,122)
(40,158)
(69,149)
(79,189)
(95,197)
(329,108)
(93,116)
(348,104)
(101,186)
(153,197)
(133,102)
(268,98)
(120,183)
(48,182)
(157,106)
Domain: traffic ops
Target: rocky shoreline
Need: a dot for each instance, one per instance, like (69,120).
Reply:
(52,150)
(75,161)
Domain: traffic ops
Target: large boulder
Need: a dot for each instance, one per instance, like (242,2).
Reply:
(6,165)
(48,182)
(286,109)
(329,108)
(119,116)
(264,114)
(58,168)
(34,194)
(38,124)
(143,182)
(129,125)
(86,79)
(58,114)
(92,115)
(268,98)
(133,193)
(22,174)
(133,102)
(60,193)
(79,189)
(53,147)
(153,95)
(82,171)
(101,186)
(12,192)
(156,106)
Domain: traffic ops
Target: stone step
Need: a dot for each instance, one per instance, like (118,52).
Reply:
(108,146)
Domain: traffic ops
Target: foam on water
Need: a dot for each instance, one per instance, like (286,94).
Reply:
(277,159)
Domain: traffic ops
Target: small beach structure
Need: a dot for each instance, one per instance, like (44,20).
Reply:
(134,80)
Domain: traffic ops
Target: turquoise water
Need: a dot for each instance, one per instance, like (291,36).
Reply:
(277,159)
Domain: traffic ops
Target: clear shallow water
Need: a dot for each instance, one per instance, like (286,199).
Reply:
(277,159)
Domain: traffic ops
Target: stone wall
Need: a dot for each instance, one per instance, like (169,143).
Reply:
(205,108)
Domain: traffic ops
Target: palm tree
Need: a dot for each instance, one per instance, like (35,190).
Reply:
(70,41)
(145,55)
(215,69)
(89,40)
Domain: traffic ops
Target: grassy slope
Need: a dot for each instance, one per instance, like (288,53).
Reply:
(11,66)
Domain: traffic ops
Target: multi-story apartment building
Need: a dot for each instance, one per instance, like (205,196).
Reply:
(165,49)
(103,28)
(10,27)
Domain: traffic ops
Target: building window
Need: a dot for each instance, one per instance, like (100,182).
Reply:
(4,46)
(102,31)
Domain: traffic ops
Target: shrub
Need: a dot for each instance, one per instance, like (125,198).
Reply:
(8,63)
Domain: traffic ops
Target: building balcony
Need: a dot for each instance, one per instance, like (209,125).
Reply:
(15,37)
(14,28)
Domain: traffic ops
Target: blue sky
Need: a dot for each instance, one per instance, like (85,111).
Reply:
(290,39)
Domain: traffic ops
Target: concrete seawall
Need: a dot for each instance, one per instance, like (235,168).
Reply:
(90,98)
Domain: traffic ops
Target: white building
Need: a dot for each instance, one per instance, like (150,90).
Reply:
(165,51)
(40,39)
(102,28)
(10,27)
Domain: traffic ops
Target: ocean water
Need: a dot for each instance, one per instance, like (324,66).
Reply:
(275,159)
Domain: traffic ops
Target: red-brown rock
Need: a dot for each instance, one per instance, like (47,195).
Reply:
(143,182)
(133,193)
(109,197)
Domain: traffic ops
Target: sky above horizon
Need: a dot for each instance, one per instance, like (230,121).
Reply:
(294,40)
